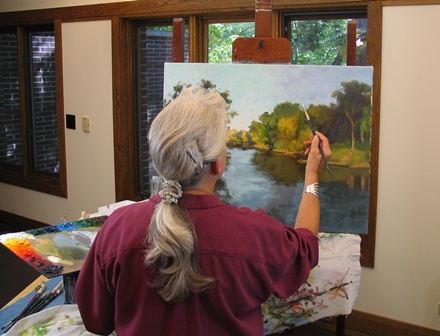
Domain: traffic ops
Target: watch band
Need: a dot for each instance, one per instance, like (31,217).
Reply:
(312,189)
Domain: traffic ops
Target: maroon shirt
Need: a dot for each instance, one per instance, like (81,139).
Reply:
(250,254)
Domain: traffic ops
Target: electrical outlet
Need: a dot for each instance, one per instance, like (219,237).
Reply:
(86,124)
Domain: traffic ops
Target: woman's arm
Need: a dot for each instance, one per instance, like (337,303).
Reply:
(309,209)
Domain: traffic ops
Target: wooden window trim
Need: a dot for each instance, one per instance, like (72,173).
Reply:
(26,178)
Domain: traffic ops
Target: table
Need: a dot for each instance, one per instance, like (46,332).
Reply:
(330,290)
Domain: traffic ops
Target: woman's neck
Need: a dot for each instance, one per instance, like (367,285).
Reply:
(198,192)
(205,186)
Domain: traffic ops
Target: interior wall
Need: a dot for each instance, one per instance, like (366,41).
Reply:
(405,283)
(87,71)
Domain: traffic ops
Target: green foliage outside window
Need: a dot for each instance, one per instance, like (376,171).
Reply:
(318,42)
(221,36)
(322,42)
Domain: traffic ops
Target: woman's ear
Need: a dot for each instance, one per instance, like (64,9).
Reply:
(215,168)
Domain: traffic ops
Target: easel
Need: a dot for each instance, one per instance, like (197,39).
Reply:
(263,48)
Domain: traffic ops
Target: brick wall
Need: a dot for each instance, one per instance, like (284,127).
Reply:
(10,122)
(45,103)
(155,50)
(42,110)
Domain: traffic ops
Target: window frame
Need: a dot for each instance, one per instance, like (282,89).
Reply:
(138,134)
(220,19)
(288,18)
(198,53)
(374,30)
(27,177)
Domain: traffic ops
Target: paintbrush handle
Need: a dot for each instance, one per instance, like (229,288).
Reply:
(43,303)
(48,298)
(312,128)
(23,312)
(326,162)
(34,301)
(320,149)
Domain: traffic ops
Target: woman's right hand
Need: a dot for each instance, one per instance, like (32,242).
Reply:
(315,160)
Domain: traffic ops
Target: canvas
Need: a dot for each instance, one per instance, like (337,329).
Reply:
(267,127)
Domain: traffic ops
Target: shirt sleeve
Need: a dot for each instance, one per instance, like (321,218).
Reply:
(94,299)
(297,254)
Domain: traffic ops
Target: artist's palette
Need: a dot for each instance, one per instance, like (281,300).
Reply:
(55,250)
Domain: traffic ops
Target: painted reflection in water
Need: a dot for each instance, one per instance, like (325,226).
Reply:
(275,183)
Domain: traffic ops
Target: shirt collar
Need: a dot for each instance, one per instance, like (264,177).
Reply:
(195,202)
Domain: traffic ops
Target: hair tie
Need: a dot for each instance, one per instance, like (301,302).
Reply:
(171,192)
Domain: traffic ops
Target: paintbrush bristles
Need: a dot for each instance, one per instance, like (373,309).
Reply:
(305,111)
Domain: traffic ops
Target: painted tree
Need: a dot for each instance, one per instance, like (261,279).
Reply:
(283,129)
(270,125)
(352,100)
(365,125)
(257,133)
(290,122)
(207,84)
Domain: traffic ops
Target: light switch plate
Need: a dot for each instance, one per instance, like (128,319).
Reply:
(86,124)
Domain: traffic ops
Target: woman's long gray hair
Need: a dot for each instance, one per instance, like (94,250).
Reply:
(184,138)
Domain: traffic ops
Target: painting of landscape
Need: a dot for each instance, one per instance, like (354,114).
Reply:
(267,128)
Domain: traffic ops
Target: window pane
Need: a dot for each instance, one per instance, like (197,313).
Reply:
(10,121)
(44,107)
(324,41)
(154,44)
(221,36)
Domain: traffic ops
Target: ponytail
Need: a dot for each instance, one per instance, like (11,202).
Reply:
(184,138)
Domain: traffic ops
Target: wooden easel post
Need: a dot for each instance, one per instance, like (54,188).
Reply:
(351,42)
(263,48)
(263,18)
(178,53)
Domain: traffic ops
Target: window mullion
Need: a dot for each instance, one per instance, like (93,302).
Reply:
(21,36)
(29,103)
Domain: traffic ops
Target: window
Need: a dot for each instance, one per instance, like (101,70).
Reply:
(152,48)
(208,41)
(30,137)
(221,36)
(322,38)
(340,38)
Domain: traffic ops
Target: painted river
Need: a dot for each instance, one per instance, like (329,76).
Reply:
(275,182)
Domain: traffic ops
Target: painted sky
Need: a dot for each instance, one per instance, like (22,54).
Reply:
(257,88)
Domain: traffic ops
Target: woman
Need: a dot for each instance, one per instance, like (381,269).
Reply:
(185,263)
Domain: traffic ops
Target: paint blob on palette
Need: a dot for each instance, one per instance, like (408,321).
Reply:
(55,250)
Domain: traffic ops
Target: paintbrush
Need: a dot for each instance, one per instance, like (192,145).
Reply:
(46,299)
(40,289)
(319,145)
